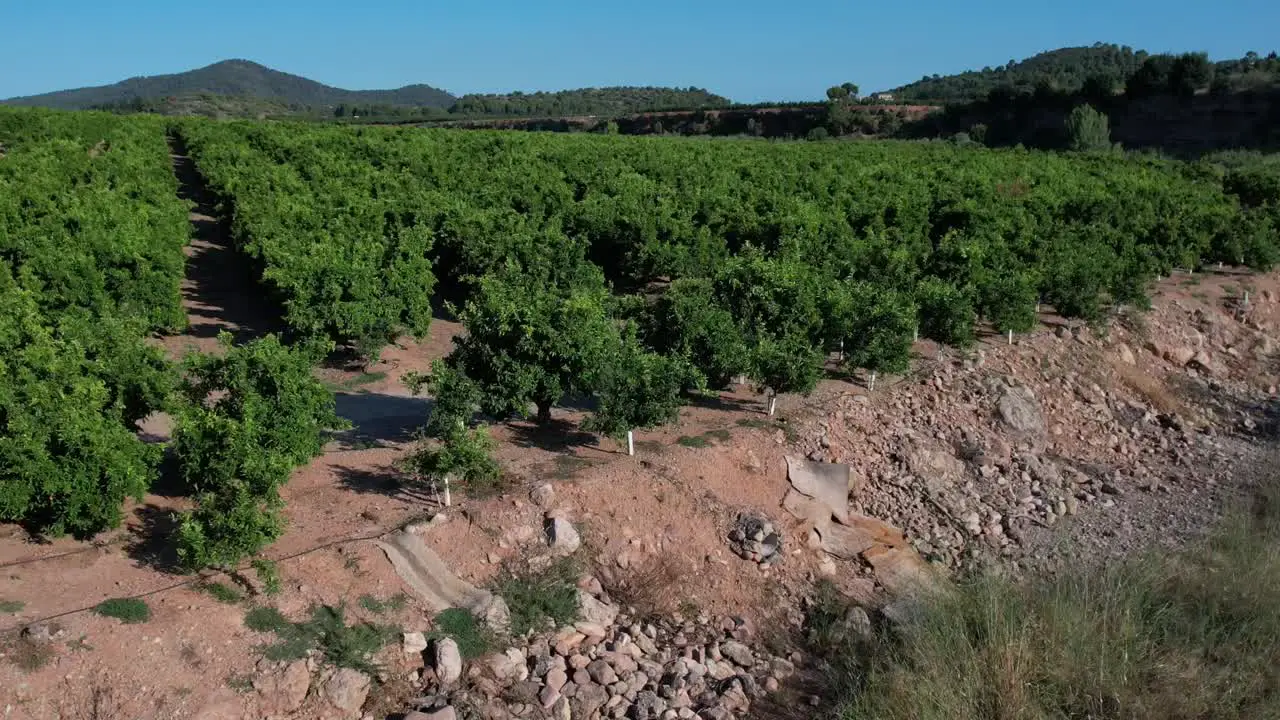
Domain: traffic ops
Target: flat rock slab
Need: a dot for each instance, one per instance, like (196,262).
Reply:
(858,535)
(825,483)
(435,584)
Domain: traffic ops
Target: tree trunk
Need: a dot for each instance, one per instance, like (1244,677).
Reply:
(773,404)
(544,412)
(631,443)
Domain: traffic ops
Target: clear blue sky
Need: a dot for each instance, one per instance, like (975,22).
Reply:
(748,50)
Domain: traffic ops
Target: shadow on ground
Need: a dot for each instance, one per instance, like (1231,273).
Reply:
(557,435)
(152,544)
(387,481)
(377,418)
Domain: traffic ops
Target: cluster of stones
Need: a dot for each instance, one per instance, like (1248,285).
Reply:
(666,670)
(754,538)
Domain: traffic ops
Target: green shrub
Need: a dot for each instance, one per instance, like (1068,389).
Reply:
(473,637)
(464,456)
(539,598)
(326,629)
(268,574)
(127,610)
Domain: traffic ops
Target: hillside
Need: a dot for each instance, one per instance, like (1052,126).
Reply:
(1065,68)
(236,78)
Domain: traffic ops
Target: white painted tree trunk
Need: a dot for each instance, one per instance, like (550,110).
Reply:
(915,335)
(872,386)
(631,443)
(842,351)
(773,403)
(1010,337)
(448,499)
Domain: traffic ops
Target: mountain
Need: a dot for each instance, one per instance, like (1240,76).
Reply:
(1065,68)
(236,78)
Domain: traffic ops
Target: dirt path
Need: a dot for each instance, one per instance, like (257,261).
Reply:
(219,292)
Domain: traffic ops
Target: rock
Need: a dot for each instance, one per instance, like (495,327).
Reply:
(1202,362)
(283,692)
(548,697)
(1126,354)
(413,643)
(494,613)
(508,667)
(543,496)
(602,672)
(1021,412)
(648,706)
(589,699)
(1179,356)
(39,633)
(738,653)
(592,630)
(556,679)
(857,623)
(562,537)
(447,661)
(591,610)
(347,690)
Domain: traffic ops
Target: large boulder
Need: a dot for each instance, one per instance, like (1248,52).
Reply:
(347,690)
(447,661)
(1020,412)
(562,536)
(282,690)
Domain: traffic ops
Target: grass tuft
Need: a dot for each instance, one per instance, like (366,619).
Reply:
(11,607)
(381,607)
(540,598)
(127,610)
(473,638)
(326,630)
(221,592)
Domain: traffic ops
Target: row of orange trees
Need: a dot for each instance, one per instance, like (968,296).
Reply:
(633,269)
(91,262)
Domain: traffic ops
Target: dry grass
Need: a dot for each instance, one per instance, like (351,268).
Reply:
(28,655)
(100,700)
(1158,637)
(1150,389)
(655,587)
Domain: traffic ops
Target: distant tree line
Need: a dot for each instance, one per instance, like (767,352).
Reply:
(1095,70)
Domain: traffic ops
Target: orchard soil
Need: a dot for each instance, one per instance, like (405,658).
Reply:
(194,658)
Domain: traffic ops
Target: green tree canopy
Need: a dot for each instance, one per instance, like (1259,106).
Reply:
(530,343)
(1088,130)
(637,389)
